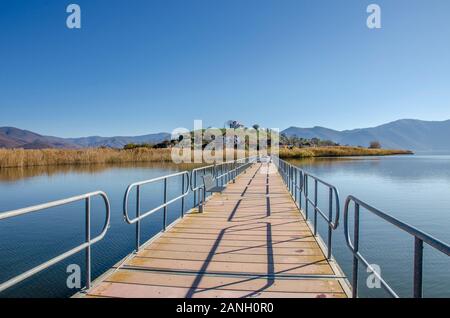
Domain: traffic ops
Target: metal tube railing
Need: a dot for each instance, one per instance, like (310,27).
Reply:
(195,175)
(237,167)
(164,206)
(297,182)
(420,238)
(85,246)
(223,173)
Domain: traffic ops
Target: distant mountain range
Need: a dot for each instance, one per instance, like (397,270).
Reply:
(416,135)
(11,137)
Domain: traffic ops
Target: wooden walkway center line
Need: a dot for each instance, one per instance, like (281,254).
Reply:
(250,241)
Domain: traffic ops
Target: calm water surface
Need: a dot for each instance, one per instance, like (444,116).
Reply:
(415,189)
(29,240)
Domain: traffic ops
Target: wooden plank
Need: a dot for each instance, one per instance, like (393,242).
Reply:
(294,243)
(311,250)
(232,257)
(236,236)
(251,241)
(231,283)
(121,290)
(145,284)
(312,268)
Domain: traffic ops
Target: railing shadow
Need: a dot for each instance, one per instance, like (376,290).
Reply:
(269,244)
(270,265)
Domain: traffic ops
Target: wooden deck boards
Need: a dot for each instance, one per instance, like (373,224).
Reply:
(251,241)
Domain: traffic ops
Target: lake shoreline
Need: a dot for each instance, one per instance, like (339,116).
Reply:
(339,151)
(23,158)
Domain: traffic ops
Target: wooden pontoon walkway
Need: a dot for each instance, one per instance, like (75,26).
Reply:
(251,241)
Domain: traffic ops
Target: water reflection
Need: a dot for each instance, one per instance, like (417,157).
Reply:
(15,174)
(399,168)
(29,240)
(415,189)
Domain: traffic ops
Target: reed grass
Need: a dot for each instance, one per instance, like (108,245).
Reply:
(54,157)
(338,151)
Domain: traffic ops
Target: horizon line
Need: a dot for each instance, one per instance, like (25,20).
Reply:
(166,132)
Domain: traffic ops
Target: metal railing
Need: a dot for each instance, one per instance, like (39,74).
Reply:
(223,173)
(420,238)
(185,186)
(85,246)
(196,186)
(297,182)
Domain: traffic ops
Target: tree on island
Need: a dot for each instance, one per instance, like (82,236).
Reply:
(375,145)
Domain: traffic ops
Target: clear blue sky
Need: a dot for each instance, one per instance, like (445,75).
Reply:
(145,66)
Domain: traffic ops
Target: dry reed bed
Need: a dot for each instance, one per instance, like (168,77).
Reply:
(338,151)
(56,157)
(53,157)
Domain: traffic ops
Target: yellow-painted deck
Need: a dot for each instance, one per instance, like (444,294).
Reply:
(251,241)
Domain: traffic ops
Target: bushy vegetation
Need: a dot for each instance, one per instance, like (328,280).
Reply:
(162,145)
(294,141)
(134,146)
(375,145)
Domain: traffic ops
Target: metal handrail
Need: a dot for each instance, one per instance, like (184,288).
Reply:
(239,166)
(297,182)
(420,237)
(188,185)
(232,170)
(185,188)
(333,192)
(194,173)
(85,246)
(214,169)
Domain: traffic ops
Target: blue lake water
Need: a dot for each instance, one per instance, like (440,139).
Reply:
(29,240)
(415,189)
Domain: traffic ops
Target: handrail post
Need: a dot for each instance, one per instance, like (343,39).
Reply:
(306,187)
(300,190)
(289,179)
(200,203)
(214,170)
(182,199)
(330,217)
(138,223)
(295,185)
(203,197)
(88,240)
(195,186)
(418,267)
(292,180)
(285,173)
(165,207)
(315,206)
(356,249)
